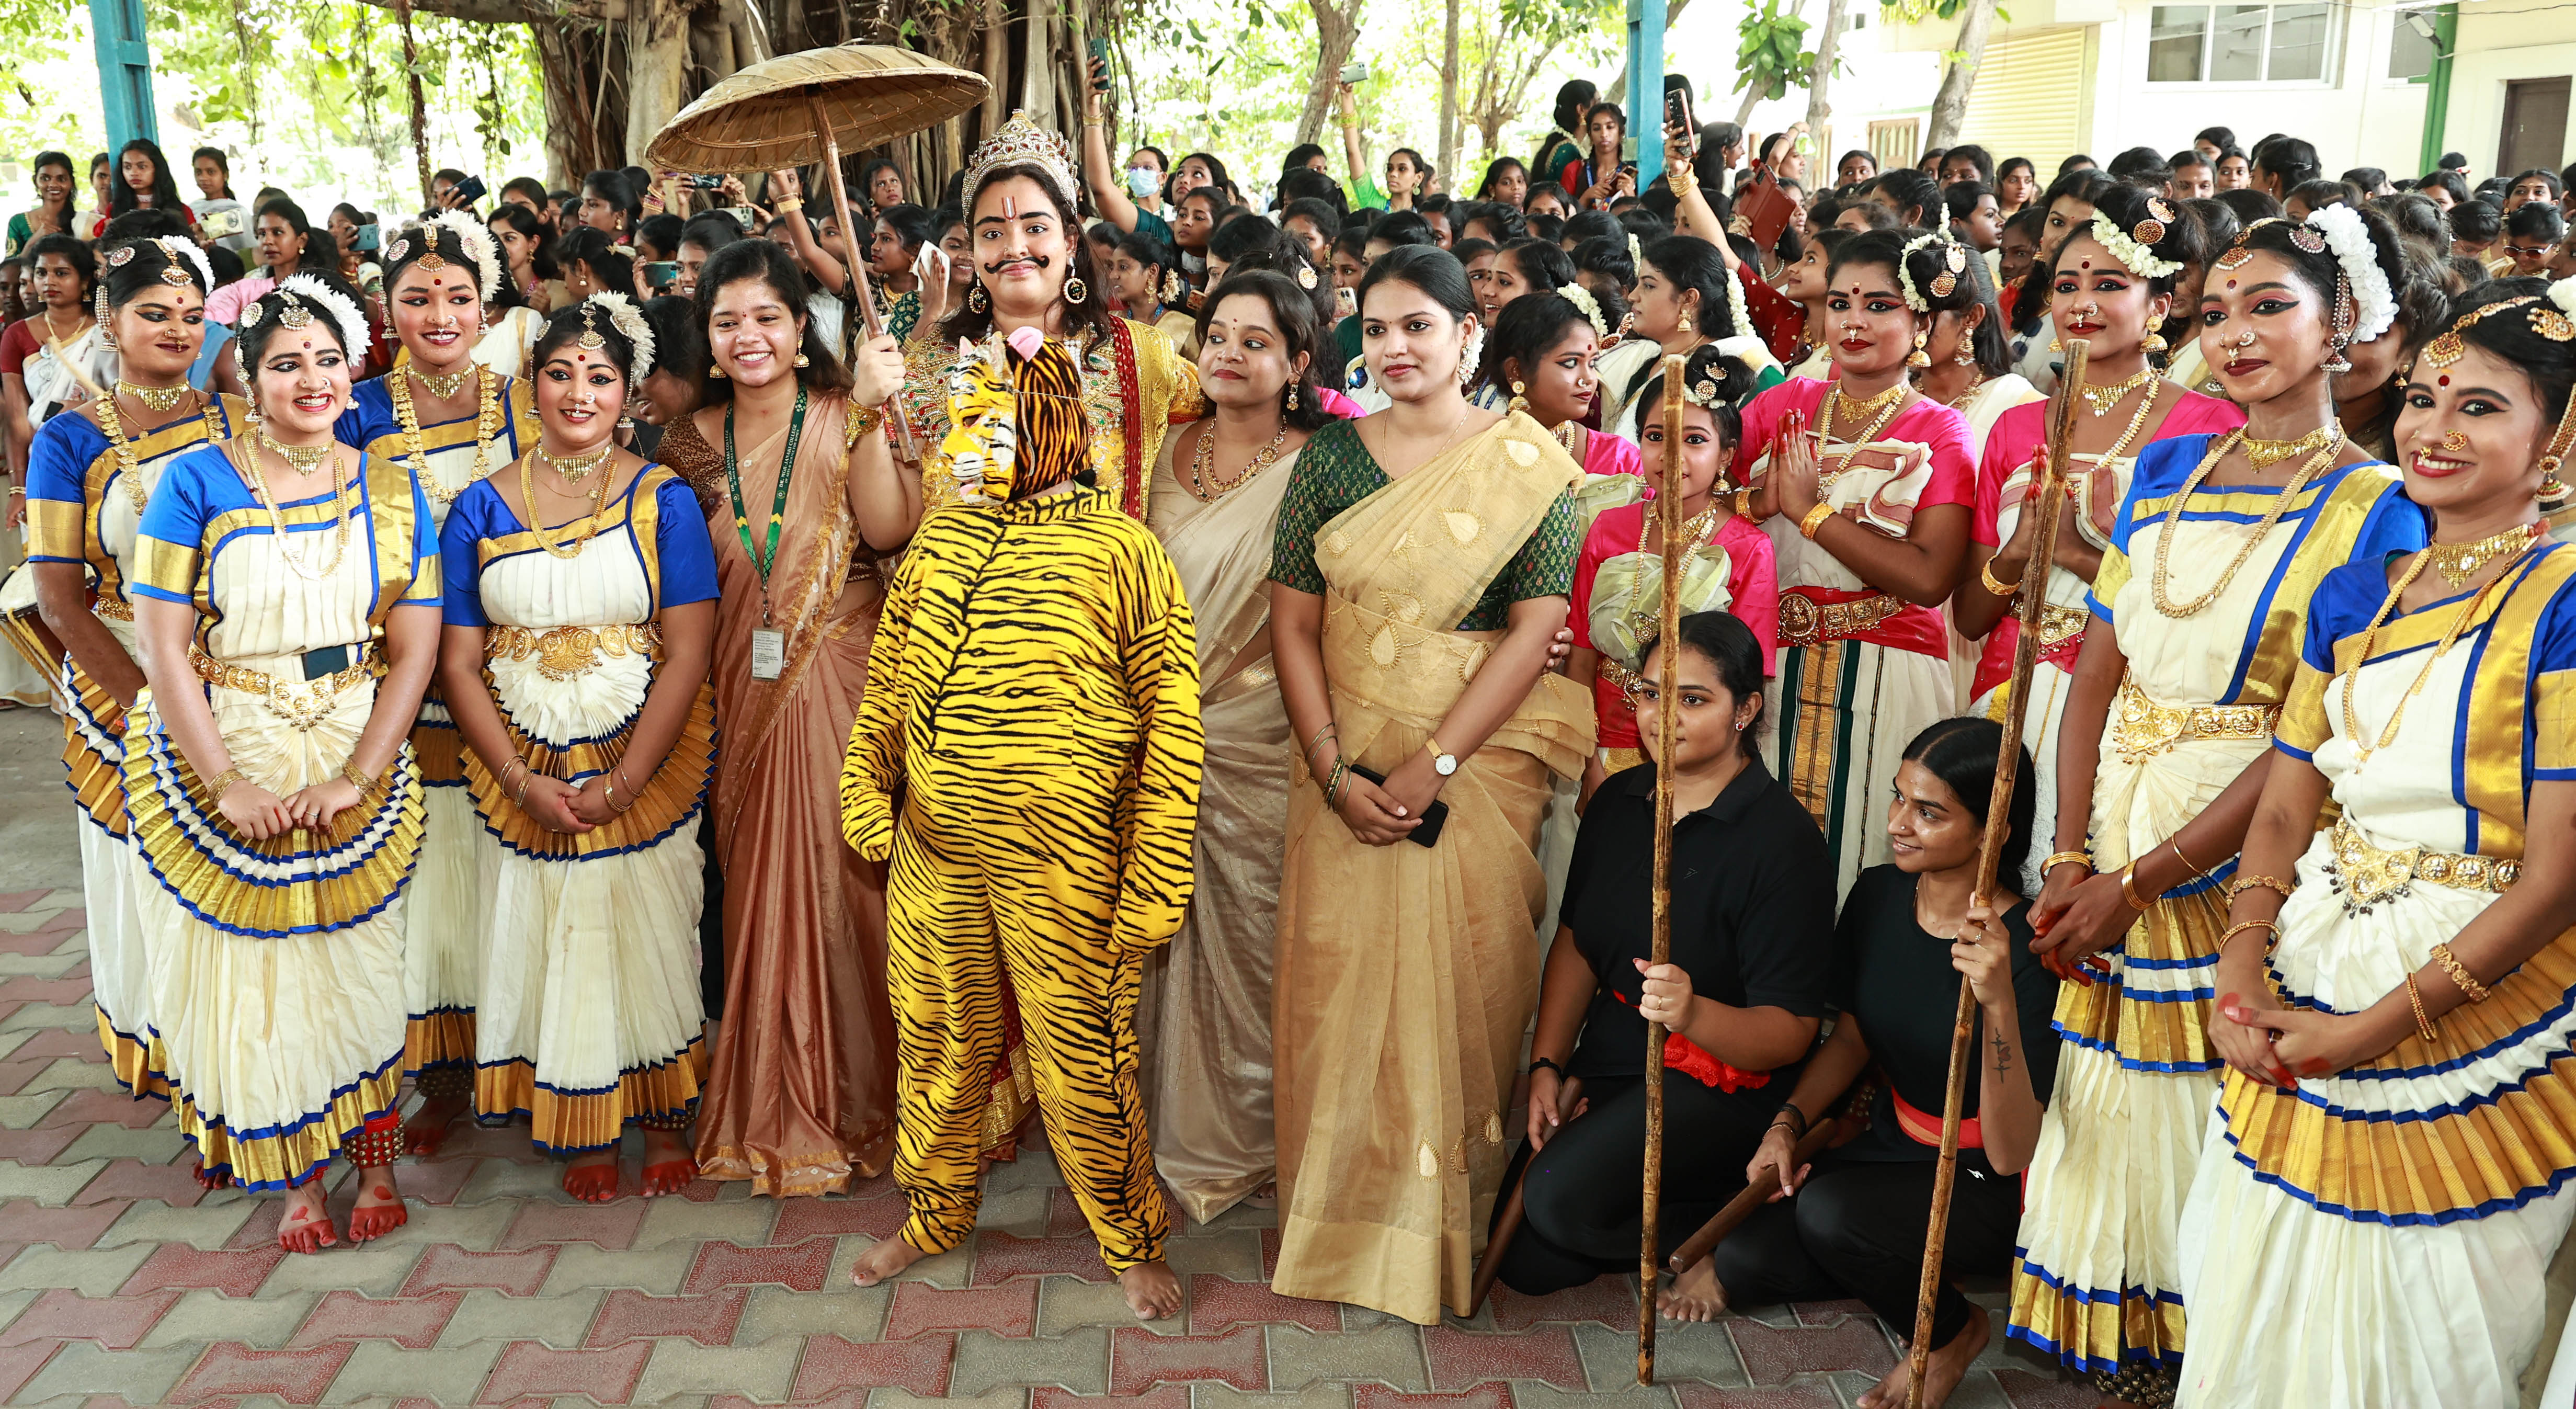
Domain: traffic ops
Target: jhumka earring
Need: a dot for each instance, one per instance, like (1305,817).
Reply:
(1686,329)
(2153,342)
(1966,356)
(1918,357)
(803,361)
(1520,401)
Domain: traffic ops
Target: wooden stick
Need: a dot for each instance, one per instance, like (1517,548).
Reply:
(2048,500)
(851,260)
(1569,1093)
(1746,1203)
(1668,517)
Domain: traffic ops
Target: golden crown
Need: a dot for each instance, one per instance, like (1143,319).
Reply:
(1022,142)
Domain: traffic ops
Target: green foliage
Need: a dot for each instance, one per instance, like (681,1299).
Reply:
(45,41)
(1772,57)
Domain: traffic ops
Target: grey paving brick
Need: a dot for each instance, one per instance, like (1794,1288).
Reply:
(50,1184)
(852,1313)
(1078,1361)
(90,1271)
(682,1366)
(383,1370)
(558,1320)
(1683,1351)
(1389,1354)
(135,1376)
(203,1315)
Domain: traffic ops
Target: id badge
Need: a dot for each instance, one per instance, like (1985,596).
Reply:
(768,654)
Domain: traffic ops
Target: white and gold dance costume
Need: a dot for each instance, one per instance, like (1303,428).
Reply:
(2377,1237)
(2097,1282)
(85,497)
(278,964)
(590,1017)
(444,941)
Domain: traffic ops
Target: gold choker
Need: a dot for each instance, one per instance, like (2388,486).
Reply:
(1859,410)
(2267,453)
(444,386)
(303,459)
(575,468)
(2458,562)
(157,398)
(2102,400)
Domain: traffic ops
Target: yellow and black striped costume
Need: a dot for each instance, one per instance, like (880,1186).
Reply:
(1034,700)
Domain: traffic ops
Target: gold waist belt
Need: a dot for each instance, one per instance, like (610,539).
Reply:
(2059,625)
(2142,728)
(563,652)
(302,703)
(2365,875)
(1804,621)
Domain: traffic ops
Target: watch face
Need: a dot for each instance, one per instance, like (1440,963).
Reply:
(1445,765)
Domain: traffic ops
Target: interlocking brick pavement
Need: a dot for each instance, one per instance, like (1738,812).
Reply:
(122,1283)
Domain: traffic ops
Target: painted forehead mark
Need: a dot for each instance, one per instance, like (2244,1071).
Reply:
(2446,381)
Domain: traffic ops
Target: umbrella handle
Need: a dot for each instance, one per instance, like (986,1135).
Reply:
(858,285)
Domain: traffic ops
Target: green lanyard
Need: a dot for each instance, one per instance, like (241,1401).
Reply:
(778,508)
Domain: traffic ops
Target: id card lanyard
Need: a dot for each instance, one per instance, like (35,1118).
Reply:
(768,645)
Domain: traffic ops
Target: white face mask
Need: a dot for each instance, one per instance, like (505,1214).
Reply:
(1143,182)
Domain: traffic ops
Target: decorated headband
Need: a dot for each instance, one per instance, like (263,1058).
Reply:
(630,323)
(2134,247)
(473,239)
(1590,307)
(301,294)
(1021,142)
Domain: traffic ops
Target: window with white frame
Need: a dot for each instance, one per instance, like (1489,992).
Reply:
(2238,43)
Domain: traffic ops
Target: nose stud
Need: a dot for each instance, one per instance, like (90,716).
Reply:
(2455,440)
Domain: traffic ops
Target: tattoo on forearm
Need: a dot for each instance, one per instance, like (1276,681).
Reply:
(2003,1052)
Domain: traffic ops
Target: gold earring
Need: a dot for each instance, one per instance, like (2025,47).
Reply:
(1292,396)
(976,302)
(2552,489)
(1918,357)
(1966,356)
(803,361)
(1519,401)
(1686,329)
(2153,342)
(717,371)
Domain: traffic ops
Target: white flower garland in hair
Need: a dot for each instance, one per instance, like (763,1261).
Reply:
(1636,251)
(2563,293)
(1735,309)
(354,340)
(1914,298)
(475,239)
(629,321)
(2135,257)
(1590,307)
(183,249)
(2375,303)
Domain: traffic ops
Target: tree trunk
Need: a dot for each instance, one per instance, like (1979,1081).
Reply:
(1820,105)
(656,67)
(1950,105)
(1449,97)
(997,61)
(1337,33)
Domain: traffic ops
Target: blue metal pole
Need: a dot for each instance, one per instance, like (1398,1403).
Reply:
(124,71)
(1645,87)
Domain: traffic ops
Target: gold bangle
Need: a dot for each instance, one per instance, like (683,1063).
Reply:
(1744,502)
(864,420)
(2128,887)
(2244,925)
(1986,575)
(788,205)
(222,783)
(1815,520)
(2475,991)
(2245,882)
(2061,858)
(2175,841)
(2415,1000)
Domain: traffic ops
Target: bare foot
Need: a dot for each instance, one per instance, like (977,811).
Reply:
(668,1165)
(1694,1295)
(210,1181)
(304,1225)
(1267,1196)
(888,1257)
(427,1128)
(1949,1364)
(380,1207)
(592,1178)
(1153,1293)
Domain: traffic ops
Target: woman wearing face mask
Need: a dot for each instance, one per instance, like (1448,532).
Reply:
(580,612)
(451,422)
(1618,579)
(52,213)
(286,604)
(2112,290)
(1033,269)
(1218,487)
(2163,752)
(90,475)
(1467,515)
(1864,486)
(2408,963)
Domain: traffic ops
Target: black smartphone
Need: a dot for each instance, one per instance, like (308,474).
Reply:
(1677,116)
(1100,63)
(661,273)
(704,183)
(468,191)
(1434,817)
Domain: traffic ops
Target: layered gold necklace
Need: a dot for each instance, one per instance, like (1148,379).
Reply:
(2103,400)
(487,424)
(1879,410)
(303,459)
(2289,494)
(582,466)
(129,467)
(1203,481)
(2515,541)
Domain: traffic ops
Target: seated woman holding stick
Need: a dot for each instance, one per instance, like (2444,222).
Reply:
(1752,907)
(1856,1224)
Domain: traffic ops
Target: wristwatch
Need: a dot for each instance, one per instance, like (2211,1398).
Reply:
(1442,763)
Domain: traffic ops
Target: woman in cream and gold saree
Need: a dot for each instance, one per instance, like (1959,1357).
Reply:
(1424,560)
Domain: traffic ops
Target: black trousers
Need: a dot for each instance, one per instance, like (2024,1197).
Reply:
(1857,1230)
(1581,1208)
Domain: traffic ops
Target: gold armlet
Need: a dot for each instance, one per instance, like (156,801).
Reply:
(2476,992)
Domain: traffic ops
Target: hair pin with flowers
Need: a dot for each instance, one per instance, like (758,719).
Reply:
(302,293)
(2134,247)
(630,323)
(1590,307)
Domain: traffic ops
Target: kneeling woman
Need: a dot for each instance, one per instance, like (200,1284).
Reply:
(286,606)
(580,621)
(1856,1224)
(1752,914)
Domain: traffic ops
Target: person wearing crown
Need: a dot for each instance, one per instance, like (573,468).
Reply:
(1035,706)
(452,421)
(1034,269)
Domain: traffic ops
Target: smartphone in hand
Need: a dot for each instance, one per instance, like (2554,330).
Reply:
(1099,65)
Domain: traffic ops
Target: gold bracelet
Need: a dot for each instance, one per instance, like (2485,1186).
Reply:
(357,777)
(2244,925)
(864,420)
(222,783)
(1815,520)
(1744,502)
(2245,882)
(2060,858)
(2128,887)
(2477,992)
(632,796)
(608,789)
(520,799)
(1986,575)
(2175,841)
(2415,1000)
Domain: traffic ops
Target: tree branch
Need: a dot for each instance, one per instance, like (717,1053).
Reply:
(515,11)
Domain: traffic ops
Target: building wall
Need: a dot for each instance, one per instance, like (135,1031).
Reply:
(2498,41)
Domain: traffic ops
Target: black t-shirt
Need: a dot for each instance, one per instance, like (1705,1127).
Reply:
(1753,909)
(1898,982)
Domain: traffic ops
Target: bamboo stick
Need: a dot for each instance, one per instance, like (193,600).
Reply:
(851,259)
(1668,517)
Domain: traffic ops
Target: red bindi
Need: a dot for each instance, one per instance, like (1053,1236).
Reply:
(2446,381)
(2085,264)
(2231,283)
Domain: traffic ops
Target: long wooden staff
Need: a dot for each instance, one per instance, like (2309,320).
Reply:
(851,244)
(2048,501)
(1668,517)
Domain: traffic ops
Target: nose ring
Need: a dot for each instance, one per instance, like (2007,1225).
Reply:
(2455,440)
(2242,340)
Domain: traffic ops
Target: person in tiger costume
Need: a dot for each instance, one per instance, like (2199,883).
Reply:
(1036,702)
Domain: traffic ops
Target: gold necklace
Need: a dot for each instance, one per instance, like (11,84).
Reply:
(2458,562)
(1697,530)
(2102,400)
(1565,437)
(112,421)
(301,565)
(305,459)
(440,385)
(1862,410)
(1887,403)
(565,547)
(2173,518)
(56,337)
(158,398)
(2369,638)
(487,424)
(574,468)
(2267,453)
(1203,481)
(1955,402)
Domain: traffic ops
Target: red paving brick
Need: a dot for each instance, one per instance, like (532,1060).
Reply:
(412,1322)
(1463,1359)
(19,1364)
(173,1184)
(999,1257)
(11,902)
(106,1108)
(799,1219)
(260,1229)
(66,920)
(1612,1301)
(1064,1216)
(61,992)
(37,943)
(1493,1396)
(1219,1302)
(1806,1396)
(70,1229)
(231,1272)
(801,1267)
(517,1273)
(1829,1313)
(632,1315)
(296,1376)
(832,1364)
(116,1322)
(1771,1354)
(38,1146)
(15,1074)
(1005,1311)
(532,1368)
(610,1225)
(847,1399)
(1140,1359)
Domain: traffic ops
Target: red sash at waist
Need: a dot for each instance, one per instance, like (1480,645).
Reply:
(1995,666)
(1925,1129)
(1692,1060)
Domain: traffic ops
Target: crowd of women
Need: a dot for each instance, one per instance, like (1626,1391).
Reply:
(1104,665)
